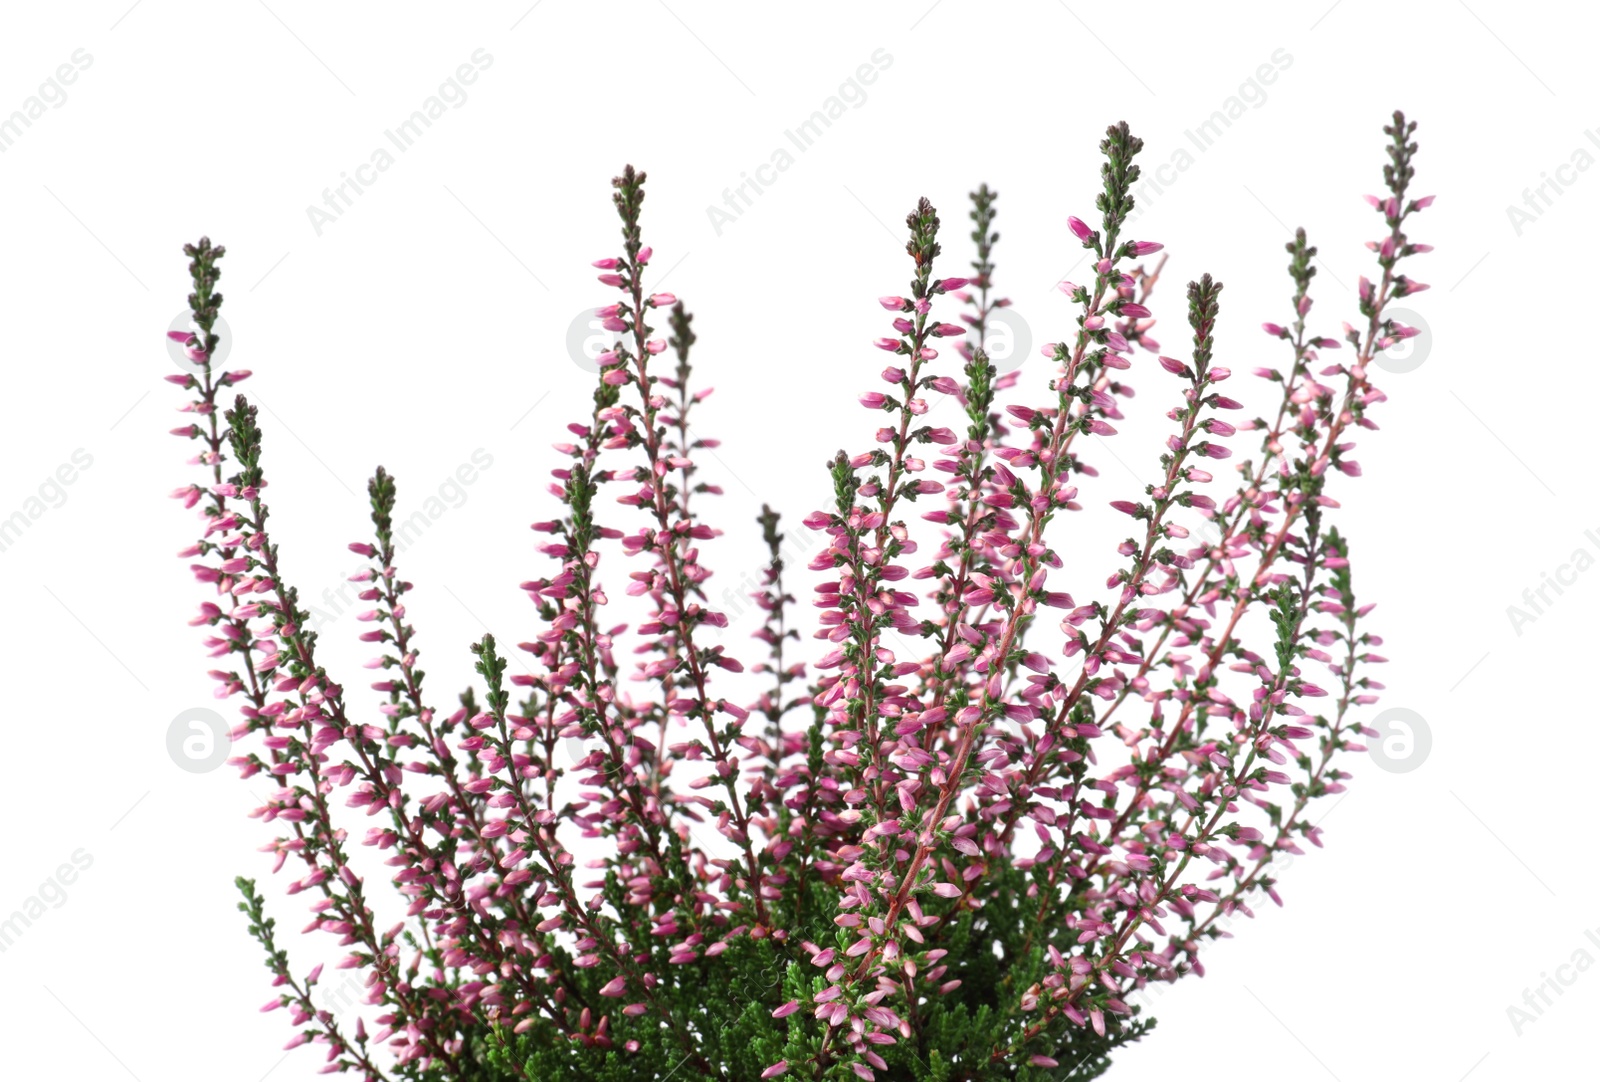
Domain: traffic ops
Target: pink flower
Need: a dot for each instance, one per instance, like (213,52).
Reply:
(961,713)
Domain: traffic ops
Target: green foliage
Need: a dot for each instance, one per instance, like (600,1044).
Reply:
(721,1008)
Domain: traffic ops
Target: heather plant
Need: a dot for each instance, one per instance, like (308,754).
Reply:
(1004,794)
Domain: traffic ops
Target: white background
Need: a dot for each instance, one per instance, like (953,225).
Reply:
(431,319)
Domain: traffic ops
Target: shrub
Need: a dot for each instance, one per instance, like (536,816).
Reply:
(959,862)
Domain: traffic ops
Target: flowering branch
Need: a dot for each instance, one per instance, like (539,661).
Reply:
(955,859)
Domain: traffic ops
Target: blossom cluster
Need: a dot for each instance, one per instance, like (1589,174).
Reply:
(1009,787)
